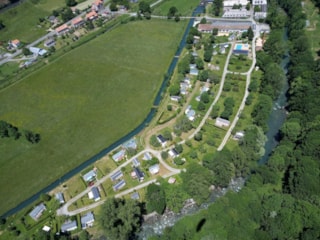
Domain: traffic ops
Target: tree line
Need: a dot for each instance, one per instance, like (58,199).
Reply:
(8,130)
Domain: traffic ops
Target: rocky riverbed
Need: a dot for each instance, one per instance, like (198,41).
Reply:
(154,224)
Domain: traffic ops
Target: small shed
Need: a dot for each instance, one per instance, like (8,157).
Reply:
(59,197)
(154,169)
(119,185)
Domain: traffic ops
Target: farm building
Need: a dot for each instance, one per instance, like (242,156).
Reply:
(240,48)
(59,197)
(220,122)
(87,220)
(119,185)
(36,213)
(69,226)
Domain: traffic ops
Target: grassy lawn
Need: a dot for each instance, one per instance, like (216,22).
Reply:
(22,22)
(312,31)
(82,103)
(185,8)
(239,63)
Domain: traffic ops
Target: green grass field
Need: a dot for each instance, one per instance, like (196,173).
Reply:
(82,103)
(185,8)
(312,30)
(22,22)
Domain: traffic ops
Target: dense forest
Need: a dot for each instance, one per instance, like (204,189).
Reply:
(280,199)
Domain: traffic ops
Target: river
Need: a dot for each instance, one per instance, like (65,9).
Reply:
(278,113)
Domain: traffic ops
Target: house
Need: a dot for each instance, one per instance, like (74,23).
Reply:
(36,213)
(50,42)
(53,19)
(260,15)
(59,197)
(95,194)
(135,196)
(147,156)
(161,140)
(38,51)
(63,29)
(119,185)
(97,5)
(173,153)
(239,135)
(220,122)
(90,176)
(136,162)
(194,72)
(154,169)
(138,174)
(228,4)
(87,220)
(175,98)
(91,15)
(77,22)
(240,48)
(119,155)
(15,43)
(69,226)
(132,143)
(117,175)
(262,4)
(205,28)
(236,13)
(191,114)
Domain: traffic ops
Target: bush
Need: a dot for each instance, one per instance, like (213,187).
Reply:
(179,161)
(154,141)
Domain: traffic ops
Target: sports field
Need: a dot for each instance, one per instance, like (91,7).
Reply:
(22,22)
(82,103)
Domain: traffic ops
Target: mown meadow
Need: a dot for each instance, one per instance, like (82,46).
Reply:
(82,103)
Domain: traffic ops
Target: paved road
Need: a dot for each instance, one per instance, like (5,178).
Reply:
(242,105)
(64,209)
(225,71)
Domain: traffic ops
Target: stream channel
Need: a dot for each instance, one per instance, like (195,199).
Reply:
(155,224)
